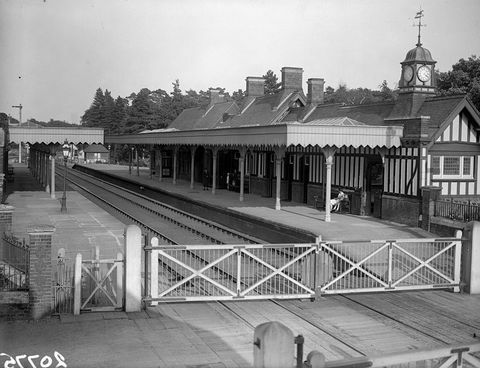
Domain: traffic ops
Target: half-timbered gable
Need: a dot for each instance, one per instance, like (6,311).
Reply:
(453,154)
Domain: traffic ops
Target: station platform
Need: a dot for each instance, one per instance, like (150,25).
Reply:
(297,215)
(214,334)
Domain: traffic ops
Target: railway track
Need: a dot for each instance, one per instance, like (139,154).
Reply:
(129,204)
(134,206)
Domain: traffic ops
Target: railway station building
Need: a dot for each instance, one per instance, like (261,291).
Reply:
(294,147)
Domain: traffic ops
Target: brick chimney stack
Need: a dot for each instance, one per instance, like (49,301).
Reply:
(292,78)
(215,96)
(255,86)
(315,90)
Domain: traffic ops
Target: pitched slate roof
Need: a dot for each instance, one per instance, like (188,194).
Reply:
(95,148)
(204,118)
(187,118)
(280,108)
(341,121)
(215,114)
(371,114)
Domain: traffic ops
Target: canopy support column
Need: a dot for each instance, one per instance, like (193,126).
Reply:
(175,154)
(52,189)
(160,165)
(214,169)
(192,166)
(130,163)
(138,160)
(329,152)
(241,168)
(279,155)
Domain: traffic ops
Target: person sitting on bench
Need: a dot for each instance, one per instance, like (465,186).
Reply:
(336,202)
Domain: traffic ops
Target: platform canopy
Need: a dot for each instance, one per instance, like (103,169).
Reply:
(278,135)
(56,135)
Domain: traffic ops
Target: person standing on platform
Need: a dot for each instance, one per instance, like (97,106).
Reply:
(205,179)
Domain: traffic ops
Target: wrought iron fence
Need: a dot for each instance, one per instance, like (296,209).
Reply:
(14,263)
(458,211)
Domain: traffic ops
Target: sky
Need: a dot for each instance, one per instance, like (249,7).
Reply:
(56,53)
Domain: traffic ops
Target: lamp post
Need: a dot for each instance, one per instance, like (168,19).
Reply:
(65,151)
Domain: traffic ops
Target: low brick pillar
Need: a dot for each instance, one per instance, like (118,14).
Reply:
(6,215)
(40,270)
(429,195)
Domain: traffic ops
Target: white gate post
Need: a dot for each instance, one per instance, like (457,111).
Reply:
(119,280)
(458,261)
(78,284)
(273,346)
(154,270)
(133,269)
(471,257)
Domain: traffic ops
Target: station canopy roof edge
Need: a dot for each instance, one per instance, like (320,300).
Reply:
(56,135)
(279,135)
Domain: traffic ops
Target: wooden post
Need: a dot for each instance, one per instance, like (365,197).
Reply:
(78,284)
(119,280)
(154,270)
(273,346)
(471,257)
(52,188)
(133,269)
(328,152)
(315,359)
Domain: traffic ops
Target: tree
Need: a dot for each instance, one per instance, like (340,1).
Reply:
(93,116)
(359,96)
(463,78)
(271,83)
(238,95)
(119,114)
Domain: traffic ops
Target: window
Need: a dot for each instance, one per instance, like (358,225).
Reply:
(452,167)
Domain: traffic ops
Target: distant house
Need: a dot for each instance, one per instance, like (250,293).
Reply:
(96,153)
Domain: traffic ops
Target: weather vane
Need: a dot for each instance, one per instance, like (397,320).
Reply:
(419,16)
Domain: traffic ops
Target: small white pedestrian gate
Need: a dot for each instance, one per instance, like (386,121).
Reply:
(98,284)
(273,271)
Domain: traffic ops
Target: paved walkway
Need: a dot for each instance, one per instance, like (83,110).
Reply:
(342,226)
(221,335)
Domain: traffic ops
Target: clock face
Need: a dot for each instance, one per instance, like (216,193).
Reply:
(423,73)
(407,73)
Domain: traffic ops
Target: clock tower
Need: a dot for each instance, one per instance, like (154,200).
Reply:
(417,80)
(418,74)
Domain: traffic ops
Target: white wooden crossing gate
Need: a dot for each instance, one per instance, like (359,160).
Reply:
(98,284)
(279,271)
(387,265)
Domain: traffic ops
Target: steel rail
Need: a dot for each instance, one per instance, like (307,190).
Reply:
(168,217)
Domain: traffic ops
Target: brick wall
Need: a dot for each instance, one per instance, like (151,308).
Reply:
(401,209)
(14,305)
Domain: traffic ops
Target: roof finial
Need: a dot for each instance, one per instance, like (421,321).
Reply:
(419,16)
